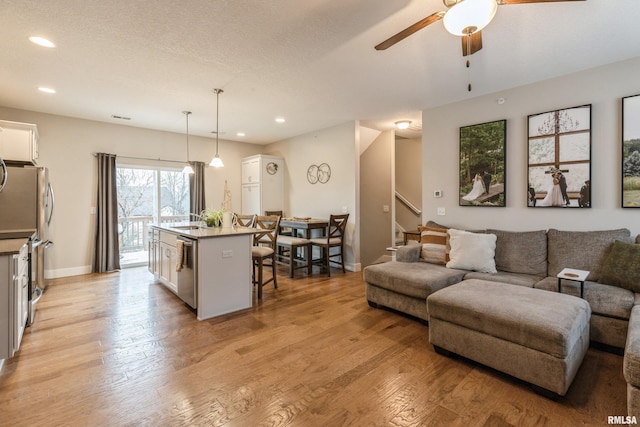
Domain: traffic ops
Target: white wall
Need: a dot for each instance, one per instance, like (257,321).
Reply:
(336,146)
(602,87)
(67,146)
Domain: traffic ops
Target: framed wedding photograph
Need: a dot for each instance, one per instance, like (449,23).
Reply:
(483,164)
(631,151)
(559,158)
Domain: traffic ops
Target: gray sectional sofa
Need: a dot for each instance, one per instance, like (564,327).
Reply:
(530,259)
(523,258)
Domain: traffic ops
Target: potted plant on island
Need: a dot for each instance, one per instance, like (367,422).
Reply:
(212,217)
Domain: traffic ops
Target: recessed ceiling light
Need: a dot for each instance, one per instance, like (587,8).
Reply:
(240,134)
(41,41)
(46,90)
(280,120)
(403,124)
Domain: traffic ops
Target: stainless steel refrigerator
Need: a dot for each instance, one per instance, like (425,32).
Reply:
(26,211)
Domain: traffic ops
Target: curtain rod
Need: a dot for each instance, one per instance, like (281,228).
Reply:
(146,158)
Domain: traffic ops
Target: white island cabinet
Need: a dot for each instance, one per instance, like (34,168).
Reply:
(220,277)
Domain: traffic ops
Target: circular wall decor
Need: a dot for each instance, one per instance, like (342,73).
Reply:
(320,174)
(312,174)
(272,168)
(324,173)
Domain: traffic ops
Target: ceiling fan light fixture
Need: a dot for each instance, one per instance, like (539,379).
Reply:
(469,16)
(403,124)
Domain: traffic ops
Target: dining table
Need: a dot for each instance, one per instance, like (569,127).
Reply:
(305,225)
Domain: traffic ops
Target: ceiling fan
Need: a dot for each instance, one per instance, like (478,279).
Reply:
(465,18)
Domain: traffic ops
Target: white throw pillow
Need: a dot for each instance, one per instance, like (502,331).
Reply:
(472,251)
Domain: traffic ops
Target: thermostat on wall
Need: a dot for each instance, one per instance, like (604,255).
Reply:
(437,193)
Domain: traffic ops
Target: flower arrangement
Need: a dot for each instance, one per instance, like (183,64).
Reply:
(212,217)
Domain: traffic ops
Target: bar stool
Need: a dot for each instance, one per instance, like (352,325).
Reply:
(264,244)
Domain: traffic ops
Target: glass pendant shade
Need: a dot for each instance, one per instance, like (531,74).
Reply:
(469,16)
(216,162)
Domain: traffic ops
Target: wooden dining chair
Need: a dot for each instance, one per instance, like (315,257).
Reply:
(333,239)
(294,252)
(263,250)
(245,220)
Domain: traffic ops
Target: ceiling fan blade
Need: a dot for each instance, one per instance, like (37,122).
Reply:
(471,43)
(434,17)
(532,1)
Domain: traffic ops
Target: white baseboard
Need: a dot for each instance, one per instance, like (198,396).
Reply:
(66,272)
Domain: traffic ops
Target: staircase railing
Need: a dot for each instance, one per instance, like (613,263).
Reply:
(408,204)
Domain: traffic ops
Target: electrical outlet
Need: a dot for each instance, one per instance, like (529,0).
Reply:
(441,211)
(227,253)
(385,208)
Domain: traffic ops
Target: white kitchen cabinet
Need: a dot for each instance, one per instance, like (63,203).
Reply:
(14,283)
(262,184)
(168,258)
(18,142)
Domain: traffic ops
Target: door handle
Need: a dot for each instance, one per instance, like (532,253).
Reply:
(53,200)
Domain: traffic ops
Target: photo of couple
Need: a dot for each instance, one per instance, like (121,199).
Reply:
(483,164)
(559,169)
(481,185)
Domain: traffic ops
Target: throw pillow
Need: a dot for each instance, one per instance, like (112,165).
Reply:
(472,251)
(409,253)
(434,244)
(622,266)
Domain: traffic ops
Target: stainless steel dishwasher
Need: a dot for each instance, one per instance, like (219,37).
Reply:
(188,275)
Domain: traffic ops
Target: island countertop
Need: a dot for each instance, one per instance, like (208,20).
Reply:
(195,230)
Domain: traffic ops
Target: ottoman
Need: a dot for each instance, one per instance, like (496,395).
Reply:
(631,364)
(537,336)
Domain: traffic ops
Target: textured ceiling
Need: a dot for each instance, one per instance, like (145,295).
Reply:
(310,61)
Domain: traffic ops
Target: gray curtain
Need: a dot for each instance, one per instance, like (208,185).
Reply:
(196,188)
(107,253)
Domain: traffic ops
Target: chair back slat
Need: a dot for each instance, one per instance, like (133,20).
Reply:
(337,225)
(268,224)
(245,220)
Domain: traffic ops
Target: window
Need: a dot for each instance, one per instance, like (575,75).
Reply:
(145,195)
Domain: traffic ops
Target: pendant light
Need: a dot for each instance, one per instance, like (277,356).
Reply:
(216,162)
(187,169)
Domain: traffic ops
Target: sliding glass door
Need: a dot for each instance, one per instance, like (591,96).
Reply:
(147,195)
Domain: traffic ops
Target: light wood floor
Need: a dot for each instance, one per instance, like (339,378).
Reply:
(118,349)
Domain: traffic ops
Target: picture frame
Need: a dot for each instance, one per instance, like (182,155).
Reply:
(559,158)
(630,184)
(483,164)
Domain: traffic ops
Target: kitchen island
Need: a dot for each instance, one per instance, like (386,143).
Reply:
(209,268)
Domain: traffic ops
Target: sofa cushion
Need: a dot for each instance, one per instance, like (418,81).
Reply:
(409,253)
(526,280)
(582,250)
(472,251)
(434,245)
(521,251)
(418,279)
(605,300)
(622,266)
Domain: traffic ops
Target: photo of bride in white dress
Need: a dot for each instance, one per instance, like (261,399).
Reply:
(477,190)
(554,194)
